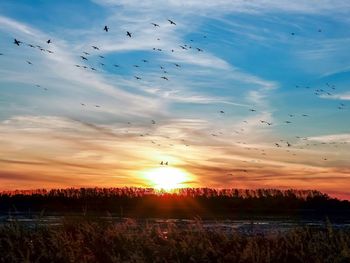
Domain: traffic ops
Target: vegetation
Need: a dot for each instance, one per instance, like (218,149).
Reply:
(86,240)
(183,203)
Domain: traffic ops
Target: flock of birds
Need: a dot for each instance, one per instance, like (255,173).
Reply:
(327,90)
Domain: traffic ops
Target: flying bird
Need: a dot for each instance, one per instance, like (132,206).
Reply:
(94,47)
(128,33)
(172,22)
(83,58)
(164,78)
(16,42)
(48,41)
(154,24)
(136,77)
(106,28)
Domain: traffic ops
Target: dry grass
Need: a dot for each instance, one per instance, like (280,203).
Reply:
(84,240)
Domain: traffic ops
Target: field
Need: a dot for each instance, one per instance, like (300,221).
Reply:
(84,239)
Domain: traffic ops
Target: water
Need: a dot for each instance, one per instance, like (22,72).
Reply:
(264,225)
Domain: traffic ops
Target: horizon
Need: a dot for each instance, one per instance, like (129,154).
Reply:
(231,95)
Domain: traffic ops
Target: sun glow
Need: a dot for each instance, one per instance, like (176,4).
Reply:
(167,178)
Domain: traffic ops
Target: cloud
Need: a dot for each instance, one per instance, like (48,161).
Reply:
(339,96)
(60,67)
(227,6)
(340,138)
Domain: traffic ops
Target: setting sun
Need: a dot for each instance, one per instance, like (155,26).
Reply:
(167,178)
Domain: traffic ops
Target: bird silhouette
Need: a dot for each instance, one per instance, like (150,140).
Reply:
(172,22)
(164,78)
(94,47)
(136,77)
(128,33)
(106,28)
(48,41)
(83,58)
(16,42)
(155,25)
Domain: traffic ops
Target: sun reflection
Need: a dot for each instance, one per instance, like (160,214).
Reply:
(167,178)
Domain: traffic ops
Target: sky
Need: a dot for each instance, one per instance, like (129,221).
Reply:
(256,97)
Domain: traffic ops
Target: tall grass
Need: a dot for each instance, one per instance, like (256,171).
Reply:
(86,240)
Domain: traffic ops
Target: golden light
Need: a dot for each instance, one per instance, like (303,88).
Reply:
(167,178)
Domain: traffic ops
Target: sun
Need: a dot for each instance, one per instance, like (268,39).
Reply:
(167,178)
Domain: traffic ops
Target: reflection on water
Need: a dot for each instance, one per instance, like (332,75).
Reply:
(244,226)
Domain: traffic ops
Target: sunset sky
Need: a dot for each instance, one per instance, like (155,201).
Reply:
(263,103)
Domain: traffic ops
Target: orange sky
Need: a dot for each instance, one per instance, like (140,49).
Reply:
(53,152)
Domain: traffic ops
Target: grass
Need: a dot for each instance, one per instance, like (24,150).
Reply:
(89,240)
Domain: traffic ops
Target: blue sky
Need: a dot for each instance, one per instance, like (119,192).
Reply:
(279,58)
